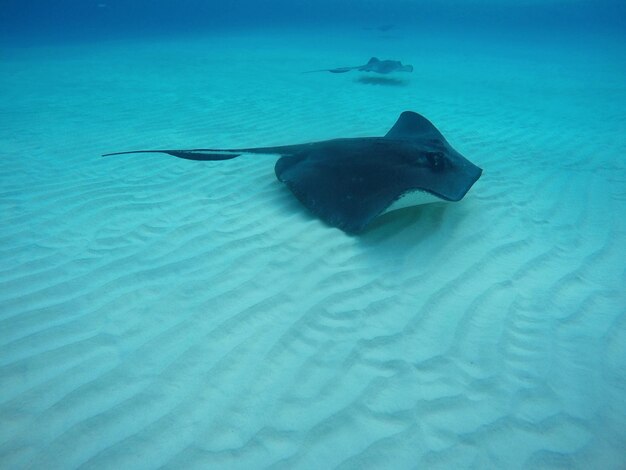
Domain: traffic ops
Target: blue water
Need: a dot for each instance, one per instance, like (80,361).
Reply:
(39,21)
(161,313)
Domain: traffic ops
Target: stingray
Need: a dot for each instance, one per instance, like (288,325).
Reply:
(348,182)
(374,65)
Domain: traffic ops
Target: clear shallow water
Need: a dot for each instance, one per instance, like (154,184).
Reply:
(157,312)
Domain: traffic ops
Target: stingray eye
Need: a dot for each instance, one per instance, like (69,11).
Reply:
(436,160)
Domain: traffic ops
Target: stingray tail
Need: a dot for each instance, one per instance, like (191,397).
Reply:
(195,154)
(221,154)
(337,70)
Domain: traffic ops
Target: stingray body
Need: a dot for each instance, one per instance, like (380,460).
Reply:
(348,182)
(374,65)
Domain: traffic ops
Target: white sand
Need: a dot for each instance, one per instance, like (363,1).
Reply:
(156,312)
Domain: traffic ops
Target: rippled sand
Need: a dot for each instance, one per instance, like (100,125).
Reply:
(156,312)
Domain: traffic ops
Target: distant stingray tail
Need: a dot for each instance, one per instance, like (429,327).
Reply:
(337,70)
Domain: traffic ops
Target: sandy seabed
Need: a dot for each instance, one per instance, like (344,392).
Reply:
(156,312)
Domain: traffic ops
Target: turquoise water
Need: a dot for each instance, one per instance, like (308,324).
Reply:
(156,312)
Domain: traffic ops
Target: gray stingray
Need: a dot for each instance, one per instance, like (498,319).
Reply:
(374,65)
(348,182)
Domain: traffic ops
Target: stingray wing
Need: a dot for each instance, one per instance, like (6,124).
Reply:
(329,181)
(349,182)
(412,126)
(340,197)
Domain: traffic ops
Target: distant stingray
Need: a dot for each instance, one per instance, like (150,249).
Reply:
(348,182)
(374,65)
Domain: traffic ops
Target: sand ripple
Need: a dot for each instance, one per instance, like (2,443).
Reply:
(162,313)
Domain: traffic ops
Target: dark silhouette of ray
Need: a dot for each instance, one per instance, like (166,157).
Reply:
(348,182)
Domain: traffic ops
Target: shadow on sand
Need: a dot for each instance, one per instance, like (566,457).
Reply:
(385,81)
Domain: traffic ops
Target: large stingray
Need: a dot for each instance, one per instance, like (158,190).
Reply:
(374,65)
(348,182)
